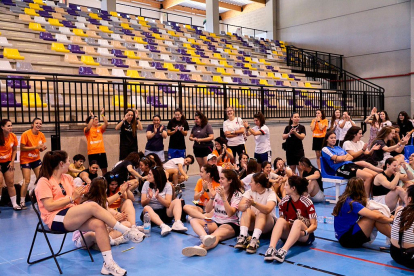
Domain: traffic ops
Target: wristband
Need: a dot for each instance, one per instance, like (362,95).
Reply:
(247,127)
(119,193)
(208,190)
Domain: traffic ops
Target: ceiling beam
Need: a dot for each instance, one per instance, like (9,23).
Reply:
(189,10)
(167,4)
(247,8)
(259,1)
(223,5)
(152,3)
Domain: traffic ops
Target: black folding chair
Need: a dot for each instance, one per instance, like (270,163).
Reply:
(42,228)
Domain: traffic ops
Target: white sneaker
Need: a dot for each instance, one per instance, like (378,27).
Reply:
(140,228)
(134,235)
(120,240)
(179,226)
(194,251)
(112,269)
(208,240)
(165,230)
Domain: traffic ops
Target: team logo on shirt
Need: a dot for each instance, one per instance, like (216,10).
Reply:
(11,145)
(98,130)
(311,209)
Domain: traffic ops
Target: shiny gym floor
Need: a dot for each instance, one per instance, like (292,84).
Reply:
(158,255)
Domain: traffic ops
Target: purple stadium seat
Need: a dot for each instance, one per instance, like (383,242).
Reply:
(155,101)
(152,48)
(118,63)
(74,6)
(86,71)
(8,3)
(185,77)
(310,103)
(44,14)
(72,12)
(255,81)
(68,24)
(123,15)
(238,80)
(147,34)
(269,94)
(118,53)
(291,103)
(105,17)
(47,8)
(249,73)
(266,103)
(47,36)
(75,49)
(128,32)
(17,82)
(94,21)
(7,99)
(155,30)
(183,51)
(270,67)
(104,12)
(28,1)
(150,41)
(166,88)
(201,54)
(279,83)
(187,60)
(199,32)
(241,65)
(157,65)
(293,77)
(181,67)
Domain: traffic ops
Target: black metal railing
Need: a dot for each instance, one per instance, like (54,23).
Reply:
(327,68)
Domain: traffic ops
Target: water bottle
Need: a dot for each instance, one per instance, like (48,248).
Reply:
(147,224)
(206,229)
(326,219)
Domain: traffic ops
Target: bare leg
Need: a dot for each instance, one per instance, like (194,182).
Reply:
(264,222)
(99,227)
(201,161)
(9,179)
(313,188)
(368,166)
(90,239)
(247,219)
(174,210)
(318,158)
(281,229)
(366,175)
(26,180)
(293,168)
(391,199)
(198,227)
(128,208)
(154,216)
(295,234)
(173,173)
(224,232)
(195,212)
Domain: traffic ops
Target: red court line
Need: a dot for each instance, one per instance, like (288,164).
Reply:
(359,259)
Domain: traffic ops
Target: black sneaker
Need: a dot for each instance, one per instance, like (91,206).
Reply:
(280,255)
(182,185)
(242,242)
(270,254)
(253,245)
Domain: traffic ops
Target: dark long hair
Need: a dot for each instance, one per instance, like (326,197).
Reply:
(350,134)
(134,158)
(407,214)
(323,117)
(3,124)
(262,179)
(235,184)
(96,192)
(133,122)
(183,120)
(333,119)
(156,160)
(325,139)
(50,162)
(291,116)
(222,141)
(386,117)
(260,117)
(109,176)
(354,190)
(160,179)
(300,184)
(202,117)
(212,170)
(382,134)
(251,166)
(405,121)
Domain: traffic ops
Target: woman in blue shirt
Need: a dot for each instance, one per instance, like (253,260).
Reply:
(341,162)
(354,222)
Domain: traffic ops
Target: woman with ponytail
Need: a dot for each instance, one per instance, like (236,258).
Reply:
(402,233)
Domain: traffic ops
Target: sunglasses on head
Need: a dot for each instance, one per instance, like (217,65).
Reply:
(112,176)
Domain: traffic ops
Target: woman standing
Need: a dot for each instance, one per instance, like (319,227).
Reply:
(261,133)
(296,222)
(224,201)
(223,153)
(344,124)
(333,124)
(177,129)
(128,136)
(94,136)
(373,120)
(294,134)
(58,200)
(402,238)
(384,120)
(155,135)
(202,134)
(234,131)
(319,127)
(32,143)
(404,123)
(8,151)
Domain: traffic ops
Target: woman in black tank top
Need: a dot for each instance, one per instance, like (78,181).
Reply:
(385,187)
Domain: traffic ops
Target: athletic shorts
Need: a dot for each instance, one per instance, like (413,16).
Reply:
(235,227)
(354,237)
(348,171)
(403,259)
(202,152)
(176,153)
(239,149)
(160,154)
(32,165)
(100,158)
(4,167)
(317,143)
(261,157)
(57,224)
(162,213)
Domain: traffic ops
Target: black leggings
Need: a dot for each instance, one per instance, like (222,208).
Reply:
(405,260)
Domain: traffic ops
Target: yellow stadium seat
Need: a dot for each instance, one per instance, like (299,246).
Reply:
(35,7)
(94,16)
(248,65)
(170,67)
(188,46)
(225,64)
(32,100)
(133,74)
(79,32)
(233,102)
(262,60)
(36,27)
(272,75)
(12,53)
(229,46)
(55,22)
(286,76)
(197,61)
(222,71)
(218,56)
(192,40)
(218,79)
(105,29)
(307,84)
(136,88)
(59,47)
(213,35)
(39,2)
(88,60)
(188,27)
(144,23)
(249,59)
(158,36)
(193,53)
(203,37)
(172,33)
(126,26)
(139,40)
(113,13)
(141,18)
(263,82)
(228,51)
(119,101)
(131,54)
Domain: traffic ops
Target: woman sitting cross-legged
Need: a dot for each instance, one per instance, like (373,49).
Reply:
(402,237)
(57,198)
(225,201)
(258,206)
(296,222)
(313,175)
(354,222)
(156,198)
(385,188)
(209,180)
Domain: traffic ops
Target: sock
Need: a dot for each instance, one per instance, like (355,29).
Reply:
(13,200)
(243,231)
(256,233)
(120,227)
(107,256)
